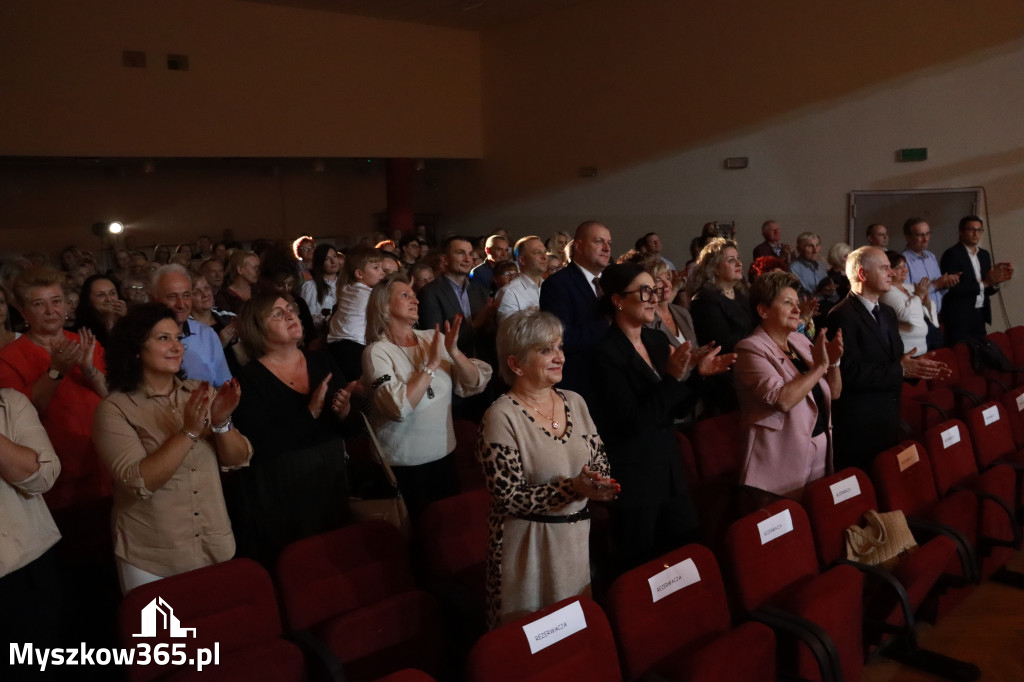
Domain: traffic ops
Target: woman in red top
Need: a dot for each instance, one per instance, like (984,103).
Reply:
(62,373)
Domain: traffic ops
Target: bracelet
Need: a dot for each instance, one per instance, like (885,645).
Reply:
(428,371)
(194,437)
(836,364)
(223,427)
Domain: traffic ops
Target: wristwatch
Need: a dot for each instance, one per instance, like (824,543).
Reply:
(222,428)
(54,374)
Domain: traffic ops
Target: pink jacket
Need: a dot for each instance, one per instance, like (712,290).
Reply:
(780,456)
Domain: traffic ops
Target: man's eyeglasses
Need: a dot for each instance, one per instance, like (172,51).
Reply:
(646,292)
(977,230)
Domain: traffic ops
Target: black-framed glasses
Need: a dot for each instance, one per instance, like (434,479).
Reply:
(646,292)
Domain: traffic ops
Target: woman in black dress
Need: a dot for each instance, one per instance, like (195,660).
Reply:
(642,383)
(294,404)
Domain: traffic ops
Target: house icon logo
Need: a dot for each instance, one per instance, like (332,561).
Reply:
(158,614)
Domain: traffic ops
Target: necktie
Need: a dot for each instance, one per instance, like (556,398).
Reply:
(597,287)
(874,311)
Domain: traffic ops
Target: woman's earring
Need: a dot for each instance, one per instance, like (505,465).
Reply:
(620,307)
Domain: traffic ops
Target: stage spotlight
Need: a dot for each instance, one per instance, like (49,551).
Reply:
(103,229)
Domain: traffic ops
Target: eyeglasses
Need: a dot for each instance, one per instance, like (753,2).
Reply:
(977,230)
(646,292)
(278,314)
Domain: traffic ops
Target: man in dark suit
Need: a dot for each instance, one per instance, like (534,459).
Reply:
(453,293)
(572,294)
(772,244)
(866,417)
(966,308)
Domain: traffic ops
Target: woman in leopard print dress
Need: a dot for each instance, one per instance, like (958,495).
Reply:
(543,460)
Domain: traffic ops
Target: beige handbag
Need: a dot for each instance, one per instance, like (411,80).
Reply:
(884,541)
(389,506)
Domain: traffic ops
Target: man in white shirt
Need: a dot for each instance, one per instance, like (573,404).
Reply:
(523,292)
(967,307)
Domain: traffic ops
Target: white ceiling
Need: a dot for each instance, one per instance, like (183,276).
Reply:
(468,14)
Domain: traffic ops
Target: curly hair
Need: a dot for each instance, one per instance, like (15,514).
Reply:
(710,258)
(124,366)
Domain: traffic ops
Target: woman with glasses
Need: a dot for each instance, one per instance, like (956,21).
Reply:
(641,383)
(786,387)
(914,309)
(294,404)
(671,319)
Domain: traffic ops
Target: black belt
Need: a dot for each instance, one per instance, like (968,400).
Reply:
(575,517)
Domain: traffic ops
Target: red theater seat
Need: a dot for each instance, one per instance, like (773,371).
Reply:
(504,655)
(352,589)
(687,634)
(232,608)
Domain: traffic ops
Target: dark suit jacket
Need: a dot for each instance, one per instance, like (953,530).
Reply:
(958,303)
(634,410)
(439,304)
(765,249)
(866,418)
(569,296)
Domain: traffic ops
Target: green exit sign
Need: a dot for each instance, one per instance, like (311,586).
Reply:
(912,154)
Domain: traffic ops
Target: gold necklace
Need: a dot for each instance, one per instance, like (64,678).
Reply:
(554,424)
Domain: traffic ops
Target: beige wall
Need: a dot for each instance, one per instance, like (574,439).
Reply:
(818,95)
(263,81)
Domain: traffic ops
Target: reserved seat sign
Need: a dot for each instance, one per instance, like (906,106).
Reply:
(555,627)
(673,579)
(775,526)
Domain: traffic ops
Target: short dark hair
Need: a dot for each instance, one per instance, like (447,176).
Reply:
(768,286)
(910,222)
(251,322)
(969,219)
(124,366)
(615,279)
(894,258)
(446,244)
(872,226)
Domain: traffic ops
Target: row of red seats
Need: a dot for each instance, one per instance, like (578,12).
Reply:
(804,610)
(925,404)
(349,605)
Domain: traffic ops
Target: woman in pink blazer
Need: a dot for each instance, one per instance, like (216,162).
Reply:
(786,387)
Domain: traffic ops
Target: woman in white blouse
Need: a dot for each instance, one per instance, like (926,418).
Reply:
(412,375)
(912,307)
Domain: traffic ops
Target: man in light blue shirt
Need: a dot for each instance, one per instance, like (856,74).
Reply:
(922,263)
(204,356)
(809,268)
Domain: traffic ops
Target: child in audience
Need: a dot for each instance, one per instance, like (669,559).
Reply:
(346,337)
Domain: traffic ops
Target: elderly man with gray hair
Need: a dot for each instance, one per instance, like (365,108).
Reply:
(204,356)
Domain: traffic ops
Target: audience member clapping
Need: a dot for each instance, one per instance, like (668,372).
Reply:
(543,460)
(721,312)
(912,304)
(639,391)
(786,387)
(62,373)
(99,307)
(292,406)
(165,440)
(413,375)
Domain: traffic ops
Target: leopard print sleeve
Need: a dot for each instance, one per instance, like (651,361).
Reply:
(503,470)
(598,456)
